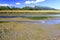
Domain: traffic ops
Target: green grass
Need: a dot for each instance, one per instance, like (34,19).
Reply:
(39,18)
(3,22)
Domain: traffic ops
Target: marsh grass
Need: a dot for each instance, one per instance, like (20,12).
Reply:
(40,18)
(3,21)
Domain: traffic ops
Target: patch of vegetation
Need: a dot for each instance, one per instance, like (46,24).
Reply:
(39,18)
(3,21)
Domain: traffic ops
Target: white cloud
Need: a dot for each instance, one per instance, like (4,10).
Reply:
(29,2)
(18,3)
(40,0)
(5,4)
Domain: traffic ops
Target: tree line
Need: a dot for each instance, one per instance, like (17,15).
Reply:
(26,8)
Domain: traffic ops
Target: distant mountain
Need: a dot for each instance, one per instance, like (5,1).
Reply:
(43,8)
(26,8)
(38,8)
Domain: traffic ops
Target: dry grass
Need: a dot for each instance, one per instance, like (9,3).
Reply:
(18,19)
(29,10)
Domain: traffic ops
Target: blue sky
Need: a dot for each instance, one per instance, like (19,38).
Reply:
(22,3)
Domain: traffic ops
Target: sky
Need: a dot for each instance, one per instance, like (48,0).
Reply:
(22,3)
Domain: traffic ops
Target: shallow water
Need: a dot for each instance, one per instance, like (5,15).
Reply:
(57,21)
(24,16)
(54,21)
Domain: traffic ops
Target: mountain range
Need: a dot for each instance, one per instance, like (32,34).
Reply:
(27,8)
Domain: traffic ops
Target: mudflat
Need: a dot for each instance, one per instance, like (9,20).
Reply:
(29,31)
